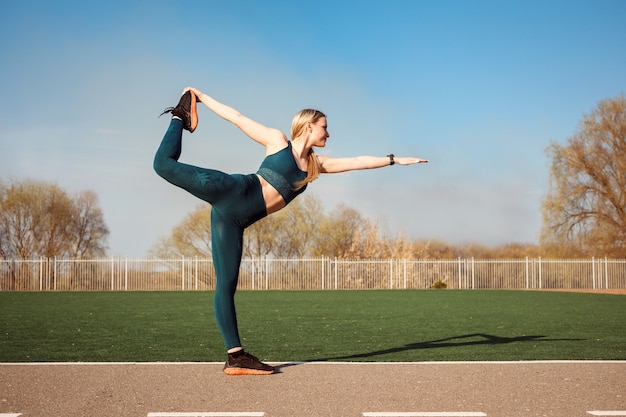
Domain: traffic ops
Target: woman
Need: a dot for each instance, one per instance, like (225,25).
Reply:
(240,200)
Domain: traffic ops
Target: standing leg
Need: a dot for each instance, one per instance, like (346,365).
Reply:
(226,245)
(226,241)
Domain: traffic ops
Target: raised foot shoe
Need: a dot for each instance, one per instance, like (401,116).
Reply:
(246,364)
(185,110)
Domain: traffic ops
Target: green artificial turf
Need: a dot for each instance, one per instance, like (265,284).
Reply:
(427,325)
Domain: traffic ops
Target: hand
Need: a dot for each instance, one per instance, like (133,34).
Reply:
(195,91)
(408,161)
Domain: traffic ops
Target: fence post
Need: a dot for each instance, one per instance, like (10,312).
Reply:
(599,263)
(391,274)
(473,279)
(40,274)
(112,274)
(599,273)
(126,274)
(593,272)
(47,277)
(196,276)
(323,271)
(527,272)
(606,273)
(460,267)
(253,271)
(54,274)
(181,271)
(336,267)
(267,273)
(405,273)
(540,283)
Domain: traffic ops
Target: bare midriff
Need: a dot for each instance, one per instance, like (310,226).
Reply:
(273,200)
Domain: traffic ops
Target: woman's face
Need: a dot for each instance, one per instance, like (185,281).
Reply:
(319,132)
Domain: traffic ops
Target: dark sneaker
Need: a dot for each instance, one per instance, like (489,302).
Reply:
(185,110)
(246,364)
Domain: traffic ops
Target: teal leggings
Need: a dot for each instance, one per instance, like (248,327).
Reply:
(237,202)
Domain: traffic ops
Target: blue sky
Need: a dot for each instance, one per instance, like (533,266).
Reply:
(479,88)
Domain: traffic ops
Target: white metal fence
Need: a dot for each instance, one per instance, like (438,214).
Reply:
(121,274)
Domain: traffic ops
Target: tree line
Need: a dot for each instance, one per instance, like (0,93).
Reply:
(584,215)
(303,229)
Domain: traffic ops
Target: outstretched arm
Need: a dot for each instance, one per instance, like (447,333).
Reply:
(271,138)
(333,165)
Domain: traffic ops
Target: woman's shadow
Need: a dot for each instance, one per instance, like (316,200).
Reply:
(472,339)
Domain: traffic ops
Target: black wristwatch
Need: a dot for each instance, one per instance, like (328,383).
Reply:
(391,161)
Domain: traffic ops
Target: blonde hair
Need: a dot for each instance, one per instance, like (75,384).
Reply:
(298,126)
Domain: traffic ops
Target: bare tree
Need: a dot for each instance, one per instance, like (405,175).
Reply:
(54,220)
(584,212)
(367,243)
(296,227)
(259,239)
(39,219)
(336,232)
(190,238)
(400,247)
(15,222)
(89,230)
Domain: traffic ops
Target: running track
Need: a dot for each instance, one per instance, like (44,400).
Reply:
(459,389)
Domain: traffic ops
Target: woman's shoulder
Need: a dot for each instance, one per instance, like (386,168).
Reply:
(276,143)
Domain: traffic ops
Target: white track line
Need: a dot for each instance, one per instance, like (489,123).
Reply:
(10,415)
(607,413)
(427,414)
(325,363)
(209,414)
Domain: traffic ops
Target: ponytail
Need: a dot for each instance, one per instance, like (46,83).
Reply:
(298,125)
(312,170)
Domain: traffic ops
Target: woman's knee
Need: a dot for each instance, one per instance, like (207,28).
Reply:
(162,166)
